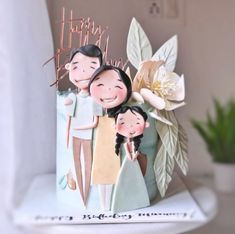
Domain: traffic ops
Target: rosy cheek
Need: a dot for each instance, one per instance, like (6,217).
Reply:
(121,94)
(95,91)
(121,129)
(140,129)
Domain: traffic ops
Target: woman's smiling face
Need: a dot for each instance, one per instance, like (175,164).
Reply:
(108,89)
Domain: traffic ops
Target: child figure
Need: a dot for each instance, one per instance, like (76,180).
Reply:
(82,111)
(130,190)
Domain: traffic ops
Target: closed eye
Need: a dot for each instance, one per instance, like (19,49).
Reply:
(137,123)
(92,67)
(75,67)
(122,123)
(119,87)
(100,85)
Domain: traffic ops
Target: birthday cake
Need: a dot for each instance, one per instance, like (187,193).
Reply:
(118,139)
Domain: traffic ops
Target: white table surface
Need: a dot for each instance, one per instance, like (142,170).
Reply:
(204,197)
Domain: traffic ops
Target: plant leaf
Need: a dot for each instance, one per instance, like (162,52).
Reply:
(168,53)
(168,133)
(163,167)
(181,156)
(219,132)
(138,45)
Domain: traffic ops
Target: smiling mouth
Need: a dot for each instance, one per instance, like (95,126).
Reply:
(132,133)
(108,100)
(82,81)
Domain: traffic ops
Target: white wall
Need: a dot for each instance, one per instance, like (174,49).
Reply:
(206,51)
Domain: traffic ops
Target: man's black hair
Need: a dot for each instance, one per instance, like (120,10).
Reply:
(89,50)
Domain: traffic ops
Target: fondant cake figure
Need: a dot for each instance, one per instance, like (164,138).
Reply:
(82,111)
(110,87)
(130,190)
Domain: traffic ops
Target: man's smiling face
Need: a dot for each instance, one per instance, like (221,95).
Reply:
(81,68)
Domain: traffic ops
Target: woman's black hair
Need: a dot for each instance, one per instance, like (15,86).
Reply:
(124,77)
(89,50)
(120,138)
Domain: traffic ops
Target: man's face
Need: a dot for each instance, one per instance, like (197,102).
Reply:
(81,68)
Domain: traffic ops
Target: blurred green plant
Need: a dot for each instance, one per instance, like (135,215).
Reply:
(219,132)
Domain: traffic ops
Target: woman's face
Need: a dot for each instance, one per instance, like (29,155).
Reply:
(130,124)
(108,89)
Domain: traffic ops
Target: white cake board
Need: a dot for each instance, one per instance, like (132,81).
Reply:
(40,206)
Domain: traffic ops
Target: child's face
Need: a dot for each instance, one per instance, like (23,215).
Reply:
(81,68)
(130,124)
(108,89)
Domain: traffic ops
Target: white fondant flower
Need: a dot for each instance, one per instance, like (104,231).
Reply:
(165,91)
(170,87)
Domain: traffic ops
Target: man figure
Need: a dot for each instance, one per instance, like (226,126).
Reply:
(82,111)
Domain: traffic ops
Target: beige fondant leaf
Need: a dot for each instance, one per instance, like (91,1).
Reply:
(168,133)
(156,115)
(181,156)
(138,45)
(168,53)
(173,105)
(163,167)
(128,72)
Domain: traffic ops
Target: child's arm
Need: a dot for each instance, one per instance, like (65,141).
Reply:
(127,151)
(134,153)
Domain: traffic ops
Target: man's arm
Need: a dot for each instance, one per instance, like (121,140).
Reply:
(89,126)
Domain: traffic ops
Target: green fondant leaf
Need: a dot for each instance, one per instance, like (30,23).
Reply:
(163,167)
(181,156)
(168,53)
(138,45)
(168,133)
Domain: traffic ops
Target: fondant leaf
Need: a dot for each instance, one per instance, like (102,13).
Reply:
(163,167)
(168,133)
(128,72)
(173,105)
(157,115)
(138,45)
(168,53)
(181,156)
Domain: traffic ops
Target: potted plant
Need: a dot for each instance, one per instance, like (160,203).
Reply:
(219,135)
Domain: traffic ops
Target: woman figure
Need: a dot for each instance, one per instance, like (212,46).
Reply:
(130,190)
(110,87)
